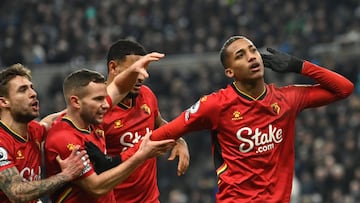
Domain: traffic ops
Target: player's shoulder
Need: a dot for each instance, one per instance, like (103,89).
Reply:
(5,137)
(146,90)
(59,128)
(223,94)
(36,126)
(286,88)
(215,99)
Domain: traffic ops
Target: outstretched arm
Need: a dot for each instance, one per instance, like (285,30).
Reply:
(98,185)
(180,150)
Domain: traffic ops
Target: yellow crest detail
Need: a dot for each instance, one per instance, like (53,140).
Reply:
(146,108)
(118,124)
(70,147)
(20,155)
(236,116)
(276,108)
(99,133)
(203,99)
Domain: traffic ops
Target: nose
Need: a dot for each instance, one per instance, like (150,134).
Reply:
(251,56)
(33,93)
(105,105)
(141,77)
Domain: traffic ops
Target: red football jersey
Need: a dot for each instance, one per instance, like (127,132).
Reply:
(249,138)
(61,139)
(124,126)
(253,139)
(24,154)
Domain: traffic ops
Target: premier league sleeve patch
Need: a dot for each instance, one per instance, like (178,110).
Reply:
(3,157)
(193,109)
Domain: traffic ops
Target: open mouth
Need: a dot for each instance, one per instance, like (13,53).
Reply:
(255,67)
(35,105)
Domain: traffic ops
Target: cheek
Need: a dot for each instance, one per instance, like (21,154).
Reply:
(239,73)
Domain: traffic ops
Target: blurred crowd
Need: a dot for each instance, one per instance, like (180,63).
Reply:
(37,32)
(57,31)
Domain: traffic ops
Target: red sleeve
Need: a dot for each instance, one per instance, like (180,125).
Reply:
(202,115)
(331,86)
(172,130)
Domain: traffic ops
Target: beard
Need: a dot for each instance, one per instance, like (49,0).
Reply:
(89,118)
(23,117)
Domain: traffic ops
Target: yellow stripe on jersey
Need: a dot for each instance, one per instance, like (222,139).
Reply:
(221,169)
(64,195)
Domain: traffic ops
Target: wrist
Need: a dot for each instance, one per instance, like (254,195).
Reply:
(296,64)
(181,141)
(64,177)
(139,156)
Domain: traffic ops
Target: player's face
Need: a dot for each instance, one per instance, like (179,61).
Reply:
(22,101)
(245,62)
(129,60)
(94,104)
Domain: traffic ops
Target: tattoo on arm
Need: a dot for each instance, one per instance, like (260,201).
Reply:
(23,191)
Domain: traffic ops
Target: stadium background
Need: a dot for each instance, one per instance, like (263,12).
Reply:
(55,37)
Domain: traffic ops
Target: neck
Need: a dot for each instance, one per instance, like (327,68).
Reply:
(77,120)
(19,128)
(252,89)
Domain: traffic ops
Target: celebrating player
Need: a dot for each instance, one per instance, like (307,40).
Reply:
(252,123)
(129,121)
(20,140)
(88,99)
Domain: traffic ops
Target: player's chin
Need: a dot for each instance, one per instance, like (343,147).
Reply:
(34,114)
(135,91)
(257,74)
(99,119)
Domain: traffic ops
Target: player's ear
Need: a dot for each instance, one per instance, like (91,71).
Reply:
(3,102)
(74,101)
(229,72)
(112,67)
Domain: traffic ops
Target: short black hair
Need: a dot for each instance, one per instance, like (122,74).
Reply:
(120,49)
(223,50)
(76,81)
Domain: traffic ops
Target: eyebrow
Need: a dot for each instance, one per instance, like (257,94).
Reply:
(242,50)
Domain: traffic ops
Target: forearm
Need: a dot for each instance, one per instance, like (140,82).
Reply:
(18,191)
(107,180)
(333,82)
(126,80)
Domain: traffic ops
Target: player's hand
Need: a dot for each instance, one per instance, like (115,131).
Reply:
(181,150)
(100,161)
(74,164)
(149,148)
(282,62)
(140,65)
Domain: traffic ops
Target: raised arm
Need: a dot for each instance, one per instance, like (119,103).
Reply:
(331,86)
(124,81)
